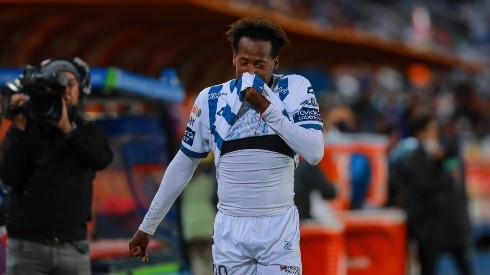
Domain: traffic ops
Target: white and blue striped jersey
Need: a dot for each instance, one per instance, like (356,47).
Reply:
(251,182)
(255,182)
(294,91)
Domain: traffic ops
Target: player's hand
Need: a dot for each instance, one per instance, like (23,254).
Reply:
(138,245)
(258,101)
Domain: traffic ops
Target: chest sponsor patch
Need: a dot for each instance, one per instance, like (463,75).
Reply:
(189,136)
(307,114)
(216,95)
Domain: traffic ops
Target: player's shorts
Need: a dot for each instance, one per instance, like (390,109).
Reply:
(264,245)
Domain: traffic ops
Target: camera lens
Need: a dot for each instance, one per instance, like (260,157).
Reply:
(46,106)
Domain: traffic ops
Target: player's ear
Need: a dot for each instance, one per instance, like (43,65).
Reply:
(276,62)
(234,59)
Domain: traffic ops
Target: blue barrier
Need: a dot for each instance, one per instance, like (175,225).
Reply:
(168,87)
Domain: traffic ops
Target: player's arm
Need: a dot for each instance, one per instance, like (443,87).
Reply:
(194,146)
(177,175)
(304,133)
(307,142)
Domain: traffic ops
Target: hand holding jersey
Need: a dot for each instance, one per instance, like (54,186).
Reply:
(253,92)
(257,100)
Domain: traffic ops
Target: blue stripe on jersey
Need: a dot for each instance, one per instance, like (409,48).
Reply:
(258,84)
(213,102)
(238,88)
(285,113)
(283,88)
(232,84)
(228,115)
(218,140)
(312,126)
(193,154)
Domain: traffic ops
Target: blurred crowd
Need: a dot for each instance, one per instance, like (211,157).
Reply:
(382,100)
(460,27)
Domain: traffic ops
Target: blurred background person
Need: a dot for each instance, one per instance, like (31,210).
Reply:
(307,179)
(429,173)
(198,206)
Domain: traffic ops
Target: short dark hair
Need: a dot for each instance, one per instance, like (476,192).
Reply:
(260,28)
(418,123)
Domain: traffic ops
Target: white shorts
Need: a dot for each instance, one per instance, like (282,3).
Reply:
(263,245)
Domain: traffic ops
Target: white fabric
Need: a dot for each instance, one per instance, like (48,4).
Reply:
(177,175)
(246,189)
(308,143)
(264,245)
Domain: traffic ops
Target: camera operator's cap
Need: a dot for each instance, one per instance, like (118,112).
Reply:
(78,67)
(57,65)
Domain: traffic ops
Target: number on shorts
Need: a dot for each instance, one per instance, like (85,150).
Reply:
(219,270)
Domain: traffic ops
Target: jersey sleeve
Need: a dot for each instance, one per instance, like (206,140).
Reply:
(302,130)
(304,110)
(195,142)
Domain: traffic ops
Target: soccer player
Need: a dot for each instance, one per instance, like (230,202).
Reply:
(256,124)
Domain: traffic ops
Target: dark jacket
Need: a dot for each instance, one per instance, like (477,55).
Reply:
(51,178)
(308,178)
(435,202)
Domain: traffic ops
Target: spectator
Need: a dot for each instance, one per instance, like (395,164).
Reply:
(198,208)
(309,178)
(430,176)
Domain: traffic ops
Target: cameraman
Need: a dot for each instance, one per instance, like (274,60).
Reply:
(50,165)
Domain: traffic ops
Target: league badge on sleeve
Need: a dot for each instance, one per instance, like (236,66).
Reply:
(195,113)
(189,136)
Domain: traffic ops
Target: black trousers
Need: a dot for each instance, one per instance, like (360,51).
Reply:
(429,253)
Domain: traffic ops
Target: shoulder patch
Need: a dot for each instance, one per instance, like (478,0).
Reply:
(307,114)
(189,136)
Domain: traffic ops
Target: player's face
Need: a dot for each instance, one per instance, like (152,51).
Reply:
(254,56)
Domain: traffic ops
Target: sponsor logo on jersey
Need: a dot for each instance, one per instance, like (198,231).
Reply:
(290,269)
(189,136)
(282,88)
(215,95)
(283,91)
(307,114)
(288,246)
(310,102)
